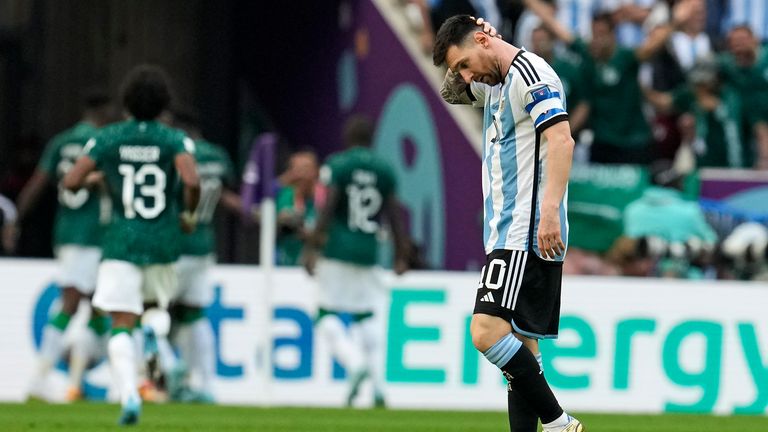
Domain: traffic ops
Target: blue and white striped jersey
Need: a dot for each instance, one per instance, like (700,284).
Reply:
(628,34)
(577,15)
(516,112)
(753,13)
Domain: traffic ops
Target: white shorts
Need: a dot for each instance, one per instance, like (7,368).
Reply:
(78,267)
(125,287)
(195,287)
(346,287)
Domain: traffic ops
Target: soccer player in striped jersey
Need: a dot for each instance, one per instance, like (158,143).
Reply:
(527,155)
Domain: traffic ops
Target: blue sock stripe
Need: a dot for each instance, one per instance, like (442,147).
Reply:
(503,350)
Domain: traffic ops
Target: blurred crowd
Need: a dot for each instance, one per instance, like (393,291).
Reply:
(669,86)
(665,86)
(646,80)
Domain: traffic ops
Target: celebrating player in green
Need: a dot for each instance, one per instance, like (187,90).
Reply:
(195,336)
(77,235)
(142,161)
(361,189)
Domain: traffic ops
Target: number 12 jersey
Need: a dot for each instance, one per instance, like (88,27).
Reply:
(363,181)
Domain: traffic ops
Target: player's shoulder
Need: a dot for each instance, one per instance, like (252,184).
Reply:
(336,159)
(112,130)
(532,69)
(79,132)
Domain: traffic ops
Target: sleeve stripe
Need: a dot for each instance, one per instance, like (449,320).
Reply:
(522,74)
(549,114)
(551,122)
(533,69)
(529,72)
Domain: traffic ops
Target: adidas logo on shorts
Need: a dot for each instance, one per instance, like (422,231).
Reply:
(488,298)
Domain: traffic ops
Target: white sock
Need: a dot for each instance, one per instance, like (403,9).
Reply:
(340,344)
(558,423)
(84,347)
(371,337)
(203,353)
(183,339)
(166,355)
(51,348)
(138,342)
(122,358)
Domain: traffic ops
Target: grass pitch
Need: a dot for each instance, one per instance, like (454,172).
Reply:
(88,417)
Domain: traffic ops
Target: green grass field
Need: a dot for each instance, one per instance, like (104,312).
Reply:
(83,417)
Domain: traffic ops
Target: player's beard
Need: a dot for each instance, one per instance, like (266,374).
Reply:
(493,77)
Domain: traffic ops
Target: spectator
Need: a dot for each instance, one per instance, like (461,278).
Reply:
(668,69)
(621,133)
(718,138)
(745,68)
(747,13)
(629,15)
(569,67)
(296,206)
(575,15)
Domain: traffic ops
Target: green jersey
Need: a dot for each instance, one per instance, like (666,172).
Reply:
(290,244)
(77,218)
(137,158)
(750,82)
(615,98)
(721,134)
(364,182)
(215,170)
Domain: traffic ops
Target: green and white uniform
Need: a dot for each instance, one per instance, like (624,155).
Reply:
(197,248)
(144,237)
(364,181)
(77,229)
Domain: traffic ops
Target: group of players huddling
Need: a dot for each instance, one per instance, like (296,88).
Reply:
(143,255)
(143,260)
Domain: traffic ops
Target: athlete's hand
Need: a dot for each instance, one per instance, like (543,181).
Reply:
(188,221)
(549,236)
(94,179)
(682,12)
(488,28)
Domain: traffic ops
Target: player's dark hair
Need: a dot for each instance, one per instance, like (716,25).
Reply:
(606,18)
(146,92)
(358,131)
(453,32)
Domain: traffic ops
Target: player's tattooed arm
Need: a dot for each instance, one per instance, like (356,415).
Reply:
(454,89)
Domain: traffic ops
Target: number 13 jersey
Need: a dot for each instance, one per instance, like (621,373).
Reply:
(137,159)
(363,181)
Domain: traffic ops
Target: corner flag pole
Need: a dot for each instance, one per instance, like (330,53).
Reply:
(258,189)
